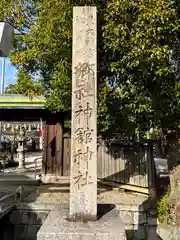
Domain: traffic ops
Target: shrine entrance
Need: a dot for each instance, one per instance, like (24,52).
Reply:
(19,113)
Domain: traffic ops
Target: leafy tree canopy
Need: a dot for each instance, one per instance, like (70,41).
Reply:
(139,84)
(47,47)
(25,85)
(142,36)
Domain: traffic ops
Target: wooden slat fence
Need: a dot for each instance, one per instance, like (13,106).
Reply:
(126,163)
(66,154)
(120,162)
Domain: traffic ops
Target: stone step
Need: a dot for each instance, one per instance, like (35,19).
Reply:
(51,179)
(7,209)
(19,181)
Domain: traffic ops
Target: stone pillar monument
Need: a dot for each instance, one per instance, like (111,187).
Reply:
(83,219)
(83,176)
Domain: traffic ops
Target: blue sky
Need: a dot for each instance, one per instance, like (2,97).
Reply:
(10,72)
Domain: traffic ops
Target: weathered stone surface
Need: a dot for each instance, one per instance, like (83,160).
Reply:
(20,230)
(168,232)
(32,231)
(41,216)
(139,218)
(25,218)
(28,217)
(127,217)
(36,206)
(16,217)
(83,176)
(140,233)
(152,221)
(152,234)
(130,232)
(57,227)
(134,207)
(75,222)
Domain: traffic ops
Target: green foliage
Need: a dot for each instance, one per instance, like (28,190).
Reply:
(163,208)
(134,43)
(47,48)
(114,113)
(141,35)
(25,85)
(20,13)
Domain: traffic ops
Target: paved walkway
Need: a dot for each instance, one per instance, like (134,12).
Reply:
(28,173)
(12,178)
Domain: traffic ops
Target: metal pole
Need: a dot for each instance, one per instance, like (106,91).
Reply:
(2,75)
(2,91)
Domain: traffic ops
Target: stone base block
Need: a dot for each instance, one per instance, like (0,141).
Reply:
(108,227)
(48,179)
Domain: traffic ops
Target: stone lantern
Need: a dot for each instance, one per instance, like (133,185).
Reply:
(6,38)
(21,150)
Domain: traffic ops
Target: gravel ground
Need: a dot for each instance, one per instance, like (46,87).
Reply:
(49,194)
(56,194)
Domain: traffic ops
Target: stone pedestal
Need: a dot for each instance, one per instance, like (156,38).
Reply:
(108,227)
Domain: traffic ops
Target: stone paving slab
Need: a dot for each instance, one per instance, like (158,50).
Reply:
(56,227)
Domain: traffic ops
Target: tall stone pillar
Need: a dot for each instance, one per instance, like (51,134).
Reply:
(83,176)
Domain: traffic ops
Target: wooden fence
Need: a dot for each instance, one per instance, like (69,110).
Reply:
(126,163)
